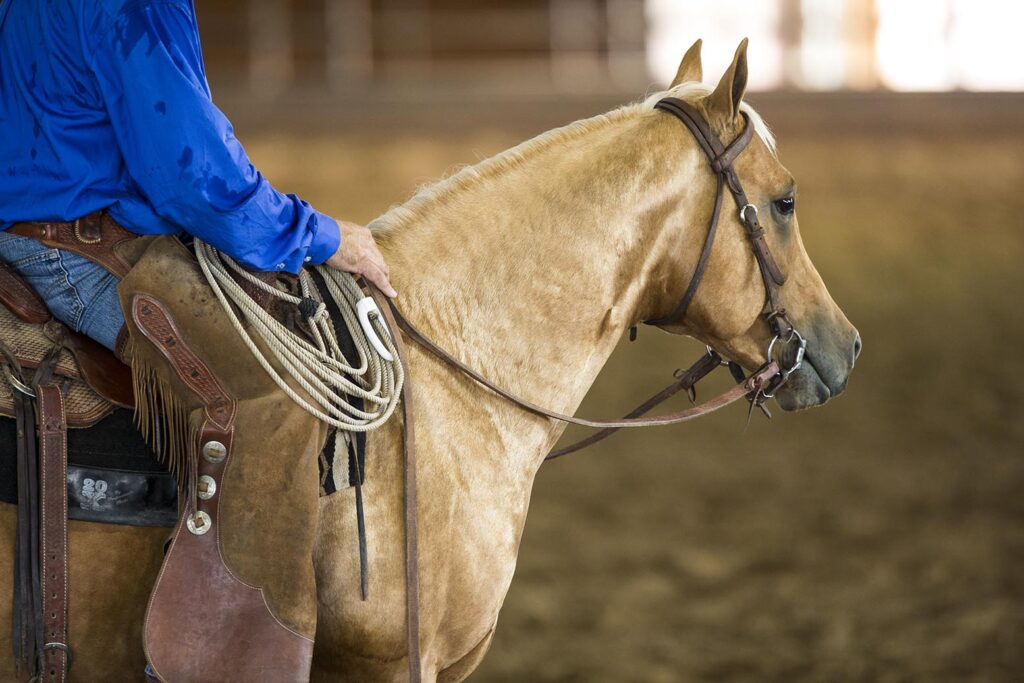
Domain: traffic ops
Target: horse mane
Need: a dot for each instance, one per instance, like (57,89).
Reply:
(473,175)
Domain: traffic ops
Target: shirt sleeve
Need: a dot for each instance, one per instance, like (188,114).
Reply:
(181,151)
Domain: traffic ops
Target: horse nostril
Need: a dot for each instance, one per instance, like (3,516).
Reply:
(856,347)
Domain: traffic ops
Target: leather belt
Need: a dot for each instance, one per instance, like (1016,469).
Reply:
(94,236)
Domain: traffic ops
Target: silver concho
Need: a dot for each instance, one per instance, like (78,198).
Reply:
(214,452)
(204,523)
(207,487)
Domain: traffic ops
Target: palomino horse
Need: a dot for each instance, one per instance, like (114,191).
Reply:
(529,267)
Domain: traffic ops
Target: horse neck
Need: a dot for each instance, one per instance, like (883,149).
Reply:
(533,274)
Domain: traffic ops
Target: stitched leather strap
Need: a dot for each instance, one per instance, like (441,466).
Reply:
(156,324)
(52,428)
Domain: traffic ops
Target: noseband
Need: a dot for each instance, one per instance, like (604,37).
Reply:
(721,158)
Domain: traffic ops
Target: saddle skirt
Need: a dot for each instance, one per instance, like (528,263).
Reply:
(30,343)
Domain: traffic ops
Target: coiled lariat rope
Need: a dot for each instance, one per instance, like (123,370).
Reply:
(319,368)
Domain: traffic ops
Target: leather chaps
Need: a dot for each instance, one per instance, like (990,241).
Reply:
(236,597)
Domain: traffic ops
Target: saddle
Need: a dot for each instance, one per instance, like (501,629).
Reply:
(54,378)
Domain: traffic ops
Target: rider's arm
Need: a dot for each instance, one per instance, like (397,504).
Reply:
(180,149)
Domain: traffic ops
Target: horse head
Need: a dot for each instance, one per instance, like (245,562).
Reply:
(727,310)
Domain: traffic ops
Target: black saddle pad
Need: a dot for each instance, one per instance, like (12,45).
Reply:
(113,475)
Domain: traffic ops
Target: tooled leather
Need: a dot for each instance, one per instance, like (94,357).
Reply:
(53,541)
(20,298)
(94,236)
(203,623)
(156,324)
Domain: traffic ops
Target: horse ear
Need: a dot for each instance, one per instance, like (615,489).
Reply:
(725,100)
(690,68)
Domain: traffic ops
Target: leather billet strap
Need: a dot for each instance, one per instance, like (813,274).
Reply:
(55,658)
(40,609)
(721,159)
(94,236)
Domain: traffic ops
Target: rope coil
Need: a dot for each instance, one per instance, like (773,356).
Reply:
(325,376)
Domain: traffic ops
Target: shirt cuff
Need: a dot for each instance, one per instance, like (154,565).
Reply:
(326,239)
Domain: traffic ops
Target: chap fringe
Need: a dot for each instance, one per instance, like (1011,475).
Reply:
(166,424)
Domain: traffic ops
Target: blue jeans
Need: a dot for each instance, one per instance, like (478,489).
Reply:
(80,294)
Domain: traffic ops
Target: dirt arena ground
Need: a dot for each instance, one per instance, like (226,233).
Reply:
(878,539)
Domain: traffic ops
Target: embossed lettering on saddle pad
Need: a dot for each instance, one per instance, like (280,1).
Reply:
(113,475)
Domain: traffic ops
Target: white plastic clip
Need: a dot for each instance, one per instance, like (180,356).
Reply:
(363,309)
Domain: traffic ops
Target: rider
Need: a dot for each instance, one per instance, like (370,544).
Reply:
(105,107)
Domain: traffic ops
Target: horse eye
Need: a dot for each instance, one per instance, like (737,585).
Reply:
(785,206)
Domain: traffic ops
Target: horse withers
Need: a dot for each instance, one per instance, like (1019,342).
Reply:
(576,235)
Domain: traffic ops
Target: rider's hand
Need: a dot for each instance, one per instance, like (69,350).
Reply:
(358,254)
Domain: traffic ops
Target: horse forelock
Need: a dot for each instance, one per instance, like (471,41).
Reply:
(466,177)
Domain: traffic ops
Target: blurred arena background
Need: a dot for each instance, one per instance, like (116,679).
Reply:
(878,538)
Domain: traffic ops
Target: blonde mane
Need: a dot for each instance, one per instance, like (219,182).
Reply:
(471,176)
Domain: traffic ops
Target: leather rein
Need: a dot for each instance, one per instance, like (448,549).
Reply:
(757,388)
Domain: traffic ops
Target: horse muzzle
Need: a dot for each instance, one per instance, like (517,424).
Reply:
(821,372)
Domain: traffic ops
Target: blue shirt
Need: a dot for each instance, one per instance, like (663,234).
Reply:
(104,104)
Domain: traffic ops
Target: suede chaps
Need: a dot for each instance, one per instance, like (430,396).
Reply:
(236,597)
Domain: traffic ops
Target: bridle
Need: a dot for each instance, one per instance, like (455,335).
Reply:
(721,158)
(758,387)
